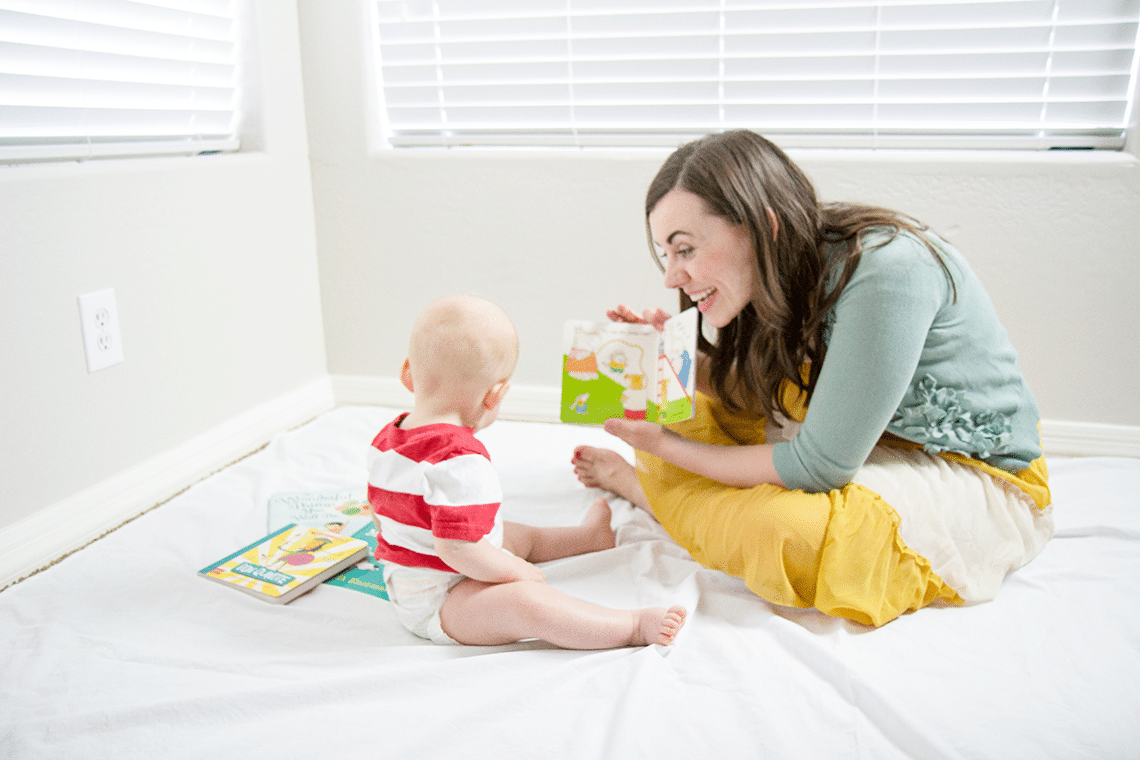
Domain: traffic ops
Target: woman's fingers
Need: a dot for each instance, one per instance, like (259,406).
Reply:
(641,435)
(656,317)
(623,313)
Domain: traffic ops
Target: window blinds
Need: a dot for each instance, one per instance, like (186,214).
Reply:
(955,73)
(87,78)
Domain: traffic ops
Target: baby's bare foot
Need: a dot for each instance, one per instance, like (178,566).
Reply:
(608,470)
(656,625)
(597,525)
(598,468)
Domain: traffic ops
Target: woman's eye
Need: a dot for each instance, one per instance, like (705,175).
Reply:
(679,253)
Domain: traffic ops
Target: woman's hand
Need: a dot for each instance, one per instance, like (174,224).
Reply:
(655,317)
(741,466)
(641,435)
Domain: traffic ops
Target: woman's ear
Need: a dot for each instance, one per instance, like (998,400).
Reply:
(495,396)
(775,223)
(406,376)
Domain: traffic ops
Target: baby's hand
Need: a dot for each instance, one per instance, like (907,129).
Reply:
(655,317)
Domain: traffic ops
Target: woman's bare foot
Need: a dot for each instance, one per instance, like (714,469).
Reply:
(608,470)
(597,526)
(655,625)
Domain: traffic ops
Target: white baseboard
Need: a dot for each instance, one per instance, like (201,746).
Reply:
(54,532)
(537,403)
(1062,438)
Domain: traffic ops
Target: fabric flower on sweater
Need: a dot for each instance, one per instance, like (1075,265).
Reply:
(941,423)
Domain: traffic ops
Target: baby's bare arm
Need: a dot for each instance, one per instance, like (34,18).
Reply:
(484,562)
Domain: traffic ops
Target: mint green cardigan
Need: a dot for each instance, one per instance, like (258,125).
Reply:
(905,356)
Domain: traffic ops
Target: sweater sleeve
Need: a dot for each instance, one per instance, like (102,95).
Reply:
(878,332)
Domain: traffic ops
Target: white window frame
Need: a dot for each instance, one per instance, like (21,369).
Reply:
(84,79)
(406,95)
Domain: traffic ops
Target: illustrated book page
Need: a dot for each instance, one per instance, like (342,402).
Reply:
(367,576)
(618,369)
(332,510)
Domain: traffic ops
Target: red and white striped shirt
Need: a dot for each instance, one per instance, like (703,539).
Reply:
(431,481)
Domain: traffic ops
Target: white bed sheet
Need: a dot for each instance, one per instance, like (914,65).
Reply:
(121,651)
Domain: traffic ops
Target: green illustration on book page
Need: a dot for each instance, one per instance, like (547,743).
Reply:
(616,369)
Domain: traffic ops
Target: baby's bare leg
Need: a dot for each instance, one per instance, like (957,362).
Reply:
(535,544)
(487,614)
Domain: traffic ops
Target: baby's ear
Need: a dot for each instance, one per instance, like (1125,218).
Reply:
(406,375)
(496,395)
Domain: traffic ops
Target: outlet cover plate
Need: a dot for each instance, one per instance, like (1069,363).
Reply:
(100,321)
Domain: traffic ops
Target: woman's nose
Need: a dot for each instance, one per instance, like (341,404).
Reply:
(675,275)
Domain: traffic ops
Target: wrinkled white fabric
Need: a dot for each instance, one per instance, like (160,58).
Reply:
(120,651)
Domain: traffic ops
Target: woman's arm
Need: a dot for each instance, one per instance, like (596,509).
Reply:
(484,562)
(738,466)
(881,326)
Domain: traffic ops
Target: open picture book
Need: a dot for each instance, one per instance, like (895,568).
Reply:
(618,369)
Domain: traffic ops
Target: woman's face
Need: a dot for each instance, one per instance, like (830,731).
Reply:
(705,255)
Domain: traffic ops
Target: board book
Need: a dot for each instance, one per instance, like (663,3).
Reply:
(338,510)
(287,563)
(335,510)
(367,576)
(620,369)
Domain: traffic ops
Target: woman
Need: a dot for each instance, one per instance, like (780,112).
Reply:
(864,442)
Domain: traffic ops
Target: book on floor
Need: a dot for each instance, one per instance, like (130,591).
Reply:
(367,576)
(287,563)
(333,509)
(620,369)
(338,510)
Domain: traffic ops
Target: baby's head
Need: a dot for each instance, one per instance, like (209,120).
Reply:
(461,356)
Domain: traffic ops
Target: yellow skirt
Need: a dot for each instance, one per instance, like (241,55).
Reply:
(840,551)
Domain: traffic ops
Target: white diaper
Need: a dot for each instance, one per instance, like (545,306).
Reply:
(417,594)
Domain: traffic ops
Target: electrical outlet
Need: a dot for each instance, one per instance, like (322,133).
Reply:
(100,321)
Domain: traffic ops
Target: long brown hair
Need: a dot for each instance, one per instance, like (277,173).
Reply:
(749,181)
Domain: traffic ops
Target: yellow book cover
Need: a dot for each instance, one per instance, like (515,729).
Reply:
(287,563)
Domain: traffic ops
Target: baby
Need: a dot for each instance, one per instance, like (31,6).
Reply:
(456,572)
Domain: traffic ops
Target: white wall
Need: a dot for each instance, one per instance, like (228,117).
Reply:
(213,262)
(555,235)
(215,265)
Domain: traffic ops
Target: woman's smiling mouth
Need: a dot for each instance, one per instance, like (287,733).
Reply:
(703,298)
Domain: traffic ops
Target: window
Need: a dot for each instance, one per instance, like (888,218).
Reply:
(97,78)
(945,74)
